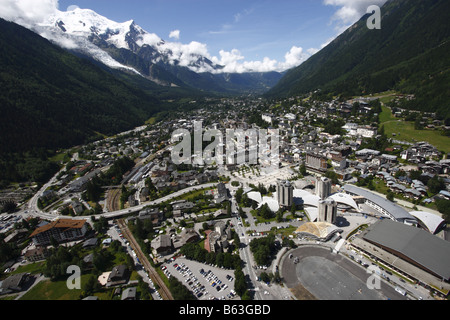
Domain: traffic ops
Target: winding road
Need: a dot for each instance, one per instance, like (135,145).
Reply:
(36,212)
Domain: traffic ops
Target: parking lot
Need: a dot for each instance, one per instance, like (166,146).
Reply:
(204,281)
(7,222)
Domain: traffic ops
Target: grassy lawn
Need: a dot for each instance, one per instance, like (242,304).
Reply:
(260,219)
(386,115)
(151,121)
(286,232)
(59,157)
(32,268)
(191,194)
(48,290)
(405,132)
(380,186)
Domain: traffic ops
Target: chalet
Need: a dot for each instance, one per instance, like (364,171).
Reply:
(389,159)
(89,261)
(366,131)
(367,153)
(445,165)
(162,244)
(444,194)
(413,194)
(119,275)
(184,207)
(77,207)
(398,188)
(186,236)
(15,283)
(129,294)
(90,243)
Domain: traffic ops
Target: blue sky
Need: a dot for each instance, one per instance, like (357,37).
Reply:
(243,35)
(258,29)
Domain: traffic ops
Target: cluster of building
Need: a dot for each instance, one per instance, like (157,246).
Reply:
(404,240)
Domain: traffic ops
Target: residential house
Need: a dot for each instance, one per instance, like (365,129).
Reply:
(38,253)
(119,275)
(77,207)
(186,236)
(15,283)
(129,294)
(162,245)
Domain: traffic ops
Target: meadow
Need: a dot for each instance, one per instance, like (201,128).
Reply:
(404,131)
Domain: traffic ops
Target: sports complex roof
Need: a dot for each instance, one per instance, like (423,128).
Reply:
(271,202)
(302,197)
(319,230)
(312,200)
(430,220)
(423,249)
(396,211)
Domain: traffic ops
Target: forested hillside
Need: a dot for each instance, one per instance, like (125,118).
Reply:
(51,99)
(409,54)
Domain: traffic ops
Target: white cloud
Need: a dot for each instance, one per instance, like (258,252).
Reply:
(350,11)
(151,39)
(72,7)
(295,57)
(234,61)
(31,13)
(185,54)
(27,12)
(175,34)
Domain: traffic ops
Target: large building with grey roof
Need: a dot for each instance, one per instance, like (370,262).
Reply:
(411,251)
(382,205)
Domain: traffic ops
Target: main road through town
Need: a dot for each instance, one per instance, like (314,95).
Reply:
(36,212)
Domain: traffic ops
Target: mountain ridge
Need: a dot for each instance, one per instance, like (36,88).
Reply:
(53,99)
(405,55)
(129,47)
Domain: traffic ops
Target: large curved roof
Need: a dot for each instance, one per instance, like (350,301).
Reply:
(345,199)
(271,202)
(430,220)
(312,200)
(394,210)
(255,196)
(308,198)
(313,213)
(320,230)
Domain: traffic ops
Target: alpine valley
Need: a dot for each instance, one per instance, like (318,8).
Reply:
(128,47)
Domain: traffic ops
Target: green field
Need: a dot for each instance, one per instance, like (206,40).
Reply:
(405,131)
(48,290)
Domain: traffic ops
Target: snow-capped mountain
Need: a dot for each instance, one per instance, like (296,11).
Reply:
(72,27)
(126,46)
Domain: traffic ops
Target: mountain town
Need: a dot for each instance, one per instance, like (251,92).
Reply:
(350,200)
